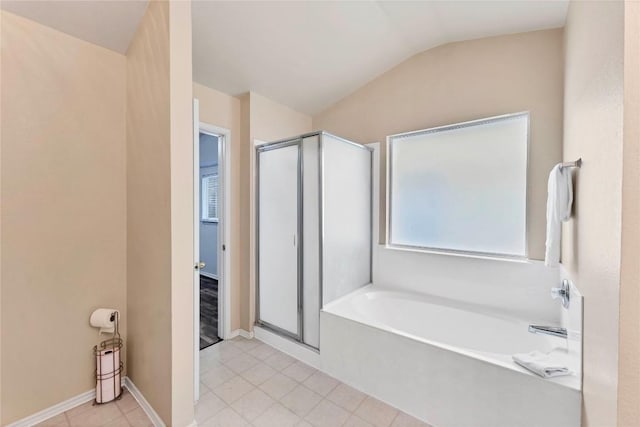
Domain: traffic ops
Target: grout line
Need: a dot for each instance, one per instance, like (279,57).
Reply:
(360,404)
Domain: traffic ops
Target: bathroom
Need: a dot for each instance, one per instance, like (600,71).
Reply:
(366,274)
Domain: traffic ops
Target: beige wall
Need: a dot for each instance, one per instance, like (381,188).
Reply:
(629,347)
(271,121)
(222,110)
(149,225)
(268,121)
(593,120)
(464,81)
(97,179)
(63,210)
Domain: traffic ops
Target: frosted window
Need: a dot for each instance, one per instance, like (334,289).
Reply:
(461,187)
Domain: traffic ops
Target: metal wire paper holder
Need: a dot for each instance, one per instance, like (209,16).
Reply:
(109,367)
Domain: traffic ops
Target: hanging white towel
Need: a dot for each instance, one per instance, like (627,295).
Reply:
(543,364)
(559,201)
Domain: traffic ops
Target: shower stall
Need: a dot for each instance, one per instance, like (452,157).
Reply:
(313,230)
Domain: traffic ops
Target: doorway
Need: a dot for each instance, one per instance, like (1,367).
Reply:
(209,232)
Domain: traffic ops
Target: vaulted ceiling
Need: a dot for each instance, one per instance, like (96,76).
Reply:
(304,54)
(308,55)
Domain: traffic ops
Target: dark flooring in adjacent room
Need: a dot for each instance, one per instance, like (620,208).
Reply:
(208,312)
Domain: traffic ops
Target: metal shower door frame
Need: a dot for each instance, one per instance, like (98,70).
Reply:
(259,150)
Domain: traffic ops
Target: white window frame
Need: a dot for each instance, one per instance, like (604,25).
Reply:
(204,197)
(455,252)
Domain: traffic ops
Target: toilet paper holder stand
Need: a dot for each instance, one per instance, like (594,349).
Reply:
(109,366)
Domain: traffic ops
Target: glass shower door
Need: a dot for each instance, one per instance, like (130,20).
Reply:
(278,246)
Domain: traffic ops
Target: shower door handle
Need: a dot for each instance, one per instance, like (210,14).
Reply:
(294,240)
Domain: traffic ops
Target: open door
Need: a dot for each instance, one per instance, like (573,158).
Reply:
(196,251)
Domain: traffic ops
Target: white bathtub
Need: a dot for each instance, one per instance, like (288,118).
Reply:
(446,363)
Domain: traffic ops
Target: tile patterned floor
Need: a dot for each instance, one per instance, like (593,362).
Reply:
(124,412)
(248,383)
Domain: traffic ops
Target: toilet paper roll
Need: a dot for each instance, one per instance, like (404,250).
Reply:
(101,318)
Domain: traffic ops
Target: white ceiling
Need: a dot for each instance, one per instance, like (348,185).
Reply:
(107,23)
(309,55)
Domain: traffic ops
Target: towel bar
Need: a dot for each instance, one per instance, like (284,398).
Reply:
(576,164)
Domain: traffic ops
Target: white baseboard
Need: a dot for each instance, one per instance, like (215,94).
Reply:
(54,410)
(85,397)
(240,333)
(293,349)
(146,407)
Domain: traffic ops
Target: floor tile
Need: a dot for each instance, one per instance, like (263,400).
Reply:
(355,421)
(208,352)
(208,406)
(258,373)
(376,412)
(278,385)
(253,404)
(404,420)
(301,400)
(262,351)
(321,383)
(227,351)
(246,381)
(127,402)
(216,376)
(233,389)
(138,418)
(98,415)
(80,409)
(277,416)
(327,414)
(241,363)
(204,389)
(299,371)
(208,363)
(226,418)
(279,361)
(245,344)
(120,422)
(346,397)
(57,421)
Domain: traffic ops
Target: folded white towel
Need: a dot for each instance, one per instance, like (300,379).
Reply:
(543,364)
(559,201)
